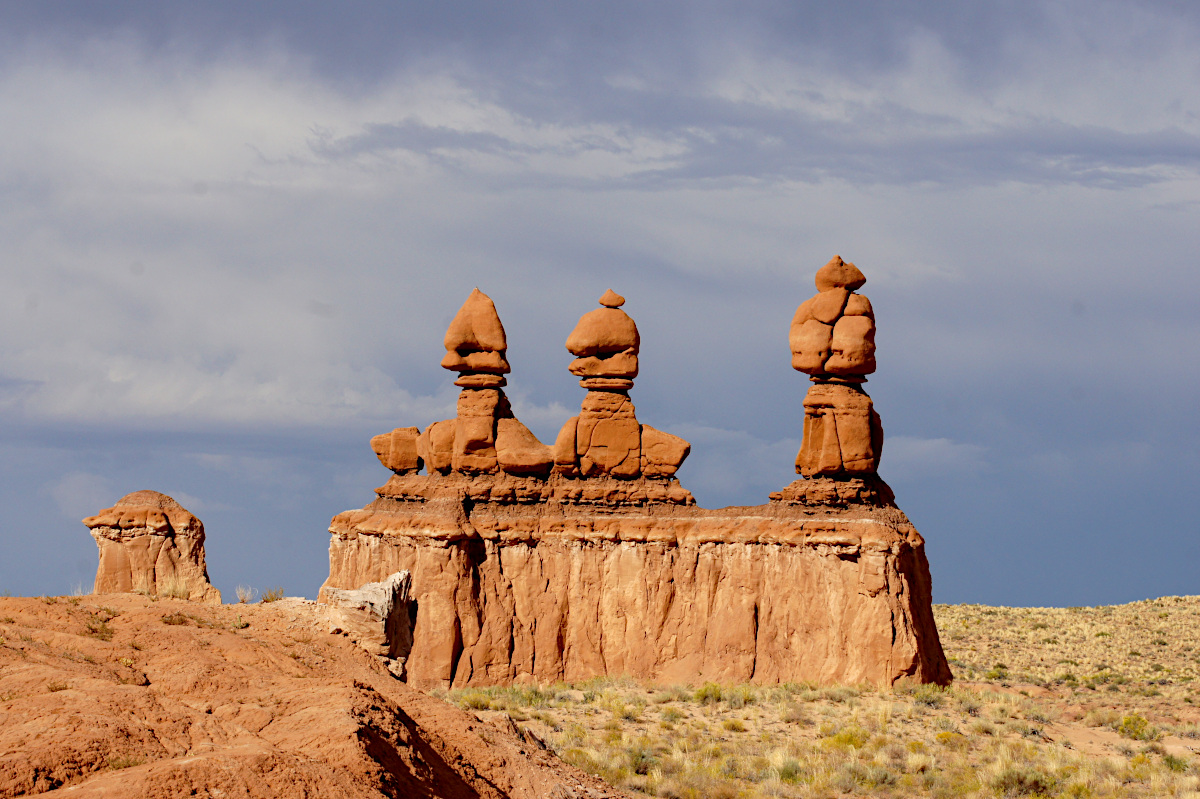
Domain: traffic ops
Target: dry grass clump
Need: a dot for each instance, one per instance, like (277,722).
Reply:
(1026,730)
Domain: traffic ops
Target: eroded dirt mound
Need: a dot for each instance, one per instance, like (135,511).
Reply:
(121,696)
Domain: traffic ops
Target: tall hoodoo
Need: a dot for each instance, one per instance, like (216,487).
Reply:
(485,437)
(606,437)
(833,341)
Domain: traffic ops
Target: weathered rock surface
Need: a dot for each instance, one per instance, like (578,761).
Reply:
(842,432)
(376,616)
(140,699)
(541,587)
(150,543)
(833,333)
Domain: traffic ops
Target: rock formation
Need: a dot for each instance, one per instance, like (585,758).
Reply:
(606,437)
(605,566)
(150,543)
(376,617)
(249,701)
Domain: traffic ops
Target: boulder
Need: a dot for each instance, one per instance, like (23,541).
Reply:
(852,346)
(398,450)
(662,453)
(518,450)
(151,544)
(837,274)
(376,616)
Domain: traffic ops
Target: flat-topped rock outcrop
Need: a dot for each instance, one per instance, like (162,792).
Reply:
(602,564)
(151,544)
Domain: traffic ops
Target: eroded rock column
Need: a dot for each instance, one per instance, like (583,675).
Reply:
(606,439)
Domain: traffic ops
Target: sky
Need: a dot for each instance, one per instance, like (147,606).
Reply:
(232,236)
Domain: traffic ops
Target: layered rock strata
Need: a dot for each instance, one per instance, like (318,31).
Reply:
(605,566)
(151,544)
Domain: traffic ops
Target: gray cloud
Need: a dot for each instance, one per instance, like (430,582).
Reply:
(231,239)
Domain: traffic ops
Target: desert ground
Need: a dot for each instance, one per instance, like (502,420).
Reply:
(130,695)
(1071,702)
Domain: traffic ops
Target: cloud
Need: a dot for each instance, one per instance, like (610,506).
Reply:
(910,459)
(82,494)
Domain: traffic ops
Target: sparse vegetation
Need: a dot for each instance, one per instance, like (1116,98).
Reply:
(1023,719)
(272,594)
(245,594)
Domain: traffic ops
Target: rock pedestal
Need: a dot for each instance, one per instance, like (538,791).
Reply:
(604,565)
(150,543)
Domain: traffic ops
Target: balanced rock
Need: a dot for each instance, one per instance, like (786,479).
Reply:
(833,333)
(484,437)
(606,437)
(151,544)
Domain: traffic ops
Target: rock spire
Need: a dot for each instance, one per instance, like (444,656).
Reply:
(833,341)
(606,439)
(150,543)
(485,437)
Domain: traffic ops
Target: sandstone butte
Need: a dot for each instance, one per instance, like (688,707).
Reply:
(151,544)
(126,697)
(531,562)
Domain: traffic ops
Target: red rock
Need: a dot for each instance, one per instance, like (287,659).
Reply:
(842,434)
(519,451)
(662,453)
(858,305)
(150,543)
(852,348)
(618,364)
(486,362)
(810,343)
(839,274)
(612,299)
(476,327)
(604,330)
(664,593)
(435,445)
(828,305)
(566,459)
(397,450)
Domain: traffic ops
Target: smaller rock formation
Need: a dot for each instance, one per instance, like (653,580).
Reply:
(485,437)
(606,439)
(833,340)
(151,544)
(375,616)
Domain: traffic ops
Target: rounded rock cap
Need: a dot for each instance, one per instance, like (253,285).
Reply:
(605,330)
(837,274)
(476,327)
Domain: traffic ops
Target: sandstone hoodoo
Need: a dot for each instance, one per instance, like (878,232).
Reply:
(591,559)
(150,543)
(606,437)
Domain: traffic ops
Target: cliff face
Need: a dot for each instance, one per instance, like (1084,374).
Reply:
(557,587)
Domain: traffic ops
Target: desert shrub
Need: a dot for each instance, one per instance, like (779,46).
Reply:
(795,714)
(245,594)
(123,761)
(175,618)
(1176,764)
(1015,781)
(1137,727)
(272,594)
(850,737)
(733,725)
(672,714)
(709,693)
(474,700)
(741,696)
(175,588)
(55,687)
(99,629)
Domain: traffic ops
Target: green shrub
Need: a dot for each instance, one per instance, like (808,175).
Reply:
(1024,782)
(709,693)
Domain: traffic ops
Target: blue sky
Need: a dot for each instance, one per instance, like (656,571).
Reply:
(232,236)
